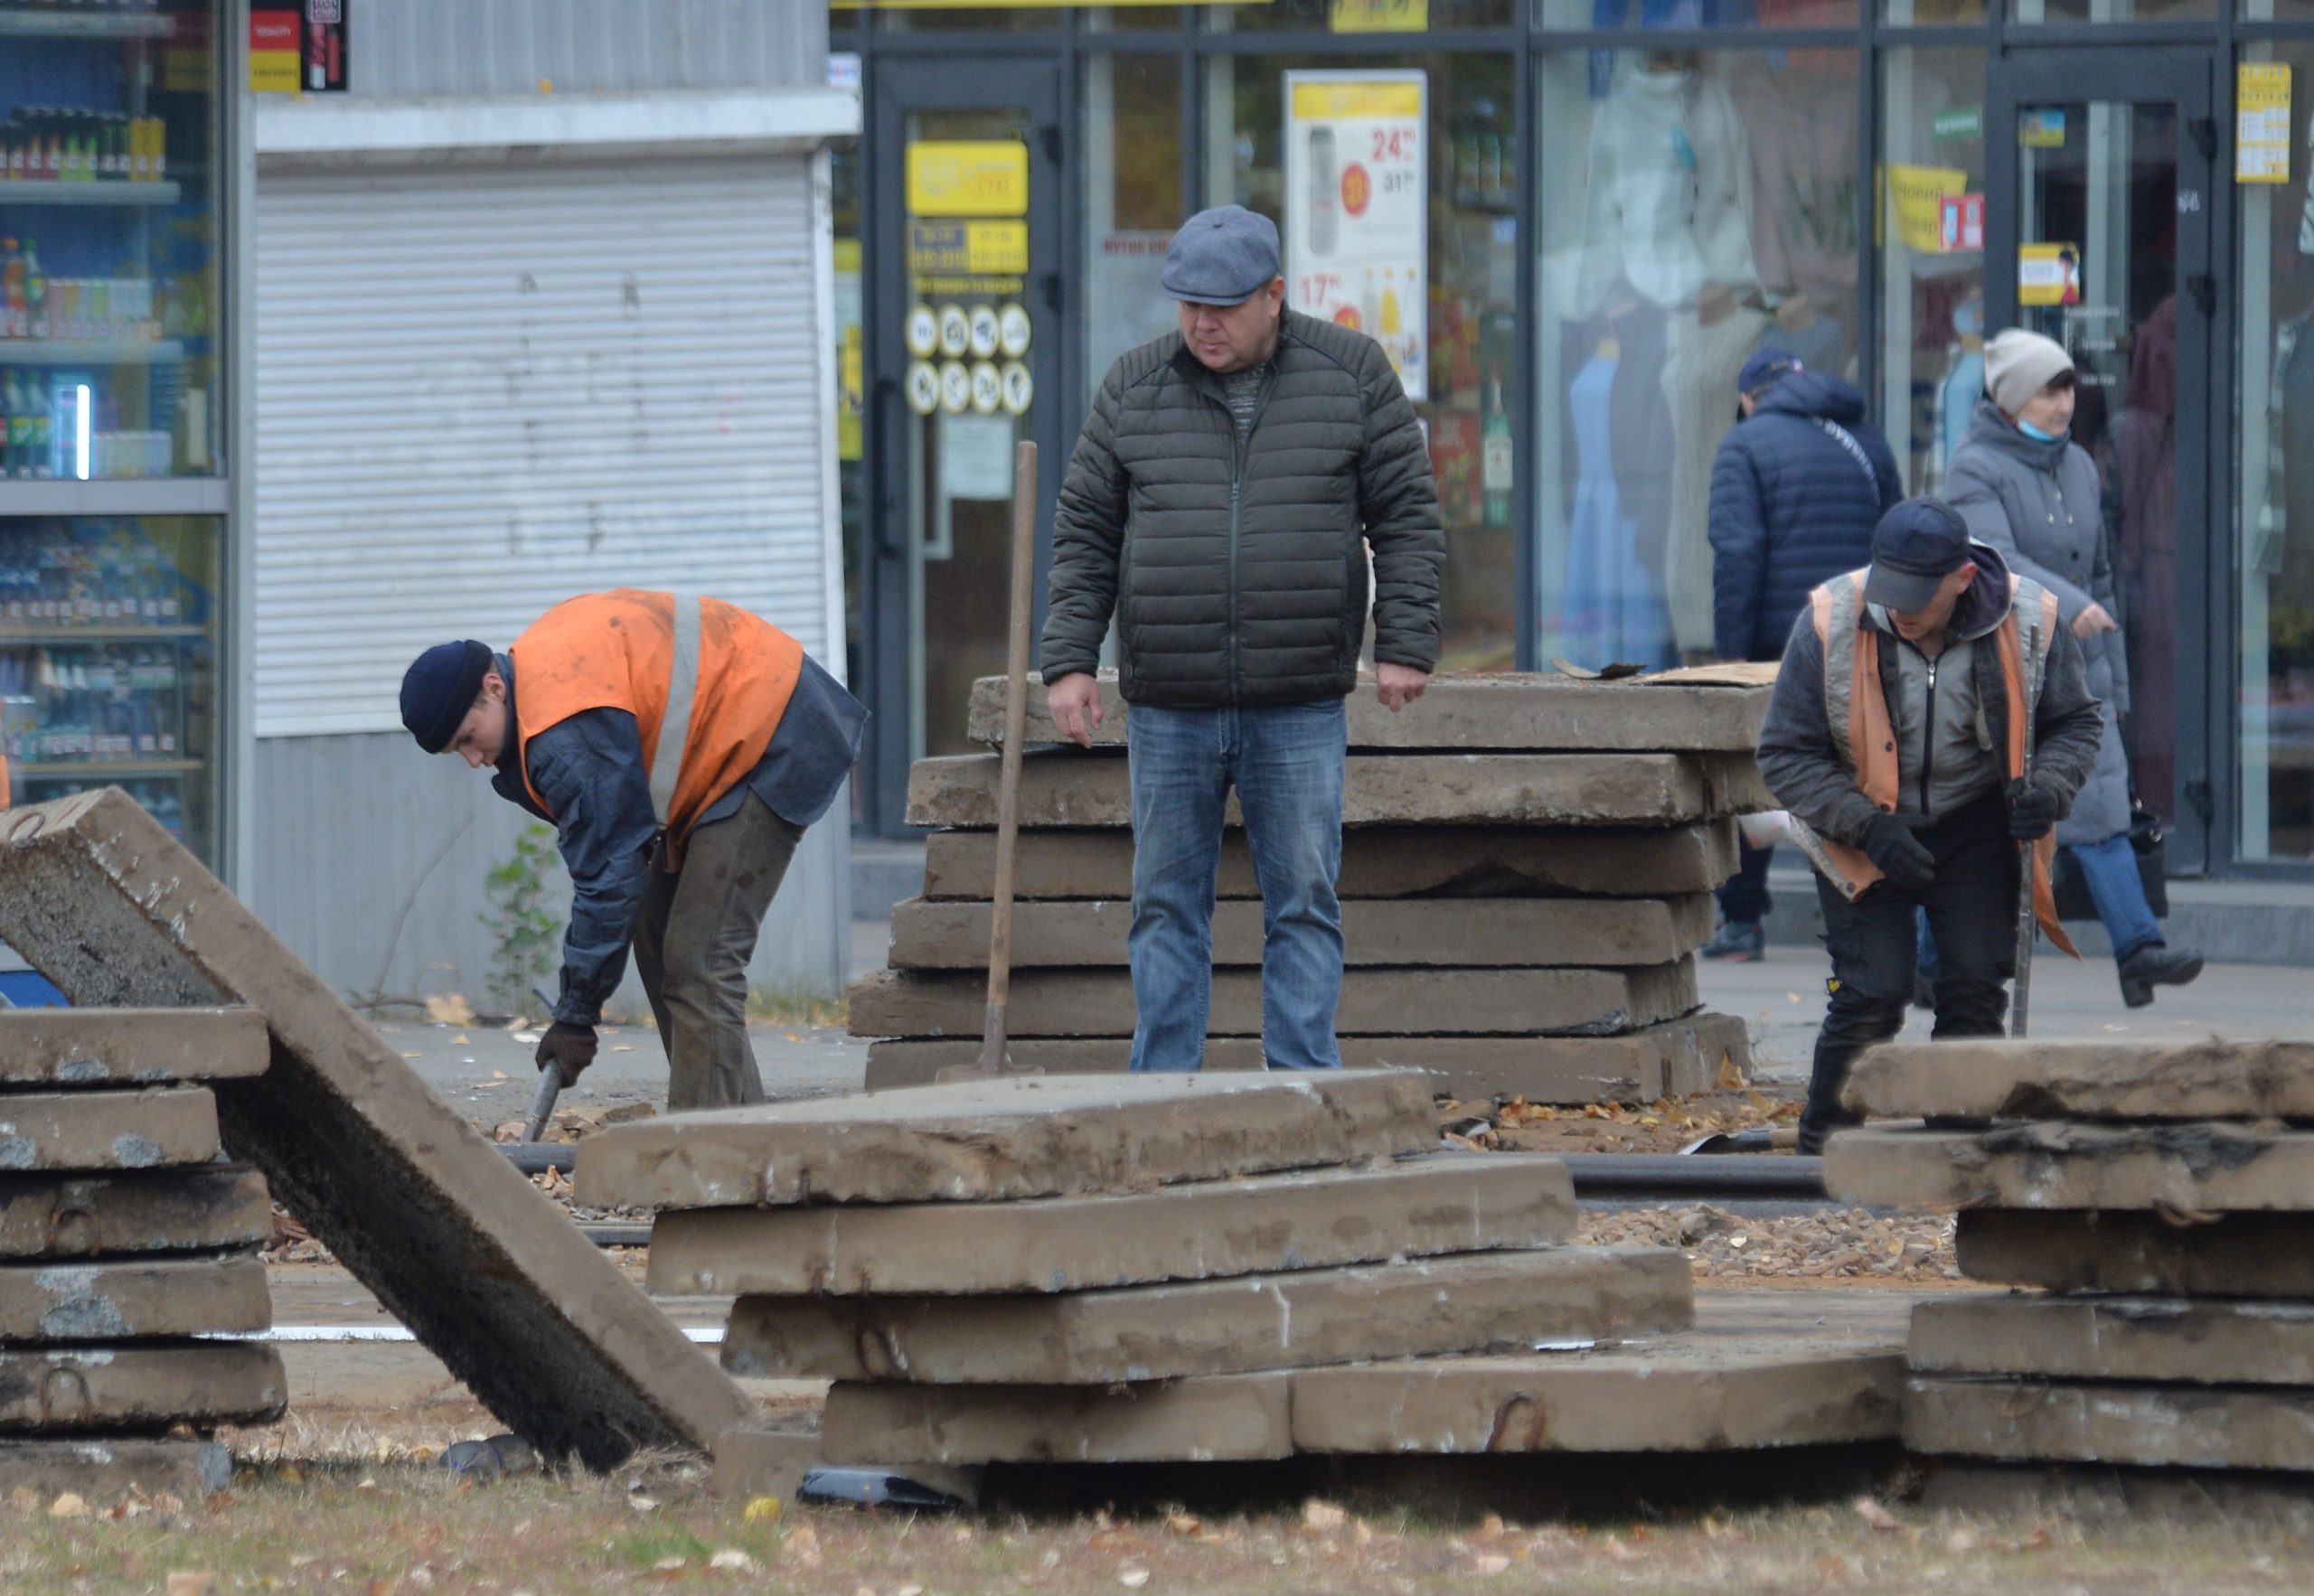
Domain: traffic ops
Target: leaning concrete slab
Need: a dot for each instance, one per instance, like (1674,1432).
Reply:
(1506,711)
(2123,1338)
(1465,932)
(199,1210)
(1474,1302)
(2211,1080)
(453,1239)
(124,1298)
(1376,861)
(1670,1059)
(2231,1255)
(2203,1168)
(1374,1002)
(996,1141)
(1072,789)
(2156,1426)
(1415,1208)
(129,1047)
(150,1129)
(107,1471)
(57,1390)
(1234,1418)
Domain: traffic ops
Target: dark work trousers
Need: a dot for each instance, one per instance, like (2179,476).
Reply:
(692,940)
(1744,895)
(1973,915)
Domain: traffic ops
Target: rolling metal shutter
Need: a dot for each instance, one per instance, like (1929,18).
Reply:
(481,391)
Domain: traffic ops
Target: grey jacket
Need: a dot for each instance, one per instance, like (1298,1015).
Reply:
(2042,505)
(1968,723)
(1237,569)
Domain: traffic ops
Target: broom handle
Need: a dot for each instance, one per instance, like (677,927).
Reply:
(1016,719)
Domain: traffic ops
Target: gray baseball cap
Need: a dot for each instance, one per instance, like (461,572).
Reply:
(1224,256)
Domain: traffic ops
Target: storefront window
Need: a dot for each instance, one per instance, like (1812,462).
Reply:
(949,16)
(2109,11)
(1130,19)
(1687,15)
(1459,359)
(1132,201)
(1931,14)
(1356,16)
(1695,206)
(1932,255)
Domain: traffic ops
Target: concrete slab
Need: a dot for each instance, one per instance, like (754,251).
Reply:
(1234,1418)
(129,1047)
(1466,932)
(1070,788)
(165,1211)
(2201,1168)
(119,1299)
(2093,1080)
(1374,1002)
(762,1460)
(101,1472)
(2156,1426)
(1540,710)
(53,1390)
(1474,1302)
(2233,1255)
(458,1243)
(1670,1059)
(1376,861)
(996,1141)
(151,1129)
(1417,1208)
(2125,1338)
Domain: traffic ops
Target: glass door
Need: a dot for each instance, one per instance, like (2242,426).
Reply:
(2098,220)
(964,341)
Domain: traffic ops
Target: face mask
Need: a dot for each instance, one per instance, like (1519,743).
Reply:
(2031,431)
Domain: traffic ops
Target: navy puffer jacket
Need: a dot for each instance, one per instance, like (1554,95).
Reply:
(1796,492)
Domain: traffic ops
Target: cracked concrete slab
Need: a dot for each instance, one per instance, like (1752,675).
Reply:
(2229,1255)
(151,1385)
(1474,933)
(2124,1339)
(1474,1302)
(2153,1426)
(490,1274)
(1417,1208)
(2094,1080)
(1231,1418)
(100,1471)
(122,1299)
(209,1209)
(153,1128)
(995,1141)
(2198,1167)
(60,1047)
(1374,1002)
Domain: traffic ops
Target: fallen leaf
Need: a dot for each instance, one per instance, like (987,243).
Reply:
(450,1008)
(186,1581)
(1873,1513)
(910,1590)
(732,1559)
(498,1075)
(2034,1542)
(670,1564)
(803,1545)
(71,1506)
(1490,1530)
(1323,1516)
(1489,1564)
(1184,1524)
(642,1504)
(762,1508)
(1132,1579)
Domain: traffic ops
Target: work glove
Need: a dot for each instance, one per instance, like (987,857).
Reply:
(1901,856)
(568,1048)
(2032,810)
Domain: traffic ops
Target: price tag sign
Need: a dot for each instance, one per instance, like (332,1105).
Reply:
(1357,209)
(2262,122)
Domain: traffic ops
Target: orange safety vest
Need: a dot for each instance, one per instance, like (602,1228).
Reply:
(1863,733)
(706,682)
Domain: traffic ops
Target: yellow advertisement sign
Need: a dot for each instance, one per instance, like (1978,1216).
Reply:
(1917,195)
(1379,16)
(2048,274)
(2262,122)
(1327,102)
(978,248)
(968,178)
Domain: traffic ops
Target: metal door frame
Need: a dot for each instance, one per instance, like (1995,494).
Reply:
(897,88)
(2184,77)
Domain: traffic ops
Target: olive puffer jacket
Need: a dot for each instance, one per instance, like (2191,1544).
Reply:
(1235,571)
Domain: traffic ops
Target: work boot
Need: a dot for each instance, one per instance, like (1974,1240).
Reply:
(1810,1144)
(2156,964)
(1738,941)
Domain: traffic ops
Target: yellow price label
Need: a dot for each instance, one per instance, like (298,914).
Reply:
(968,178)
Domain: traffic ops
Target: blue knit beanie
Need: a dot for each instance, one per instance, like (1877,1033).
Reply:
(439,688)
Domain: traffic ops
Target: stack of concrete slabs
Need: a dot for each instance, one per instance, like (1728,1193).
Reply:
(129,1251)
(2156,1199)
(1526,874)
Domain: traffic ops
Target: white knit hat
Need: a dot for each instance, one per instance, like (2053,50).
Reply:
(2019,364)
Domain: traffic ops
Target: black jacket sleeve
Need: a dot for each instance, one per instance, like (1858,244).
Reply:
(1088,538)
(590,770)
(1397,500)
(1797,759)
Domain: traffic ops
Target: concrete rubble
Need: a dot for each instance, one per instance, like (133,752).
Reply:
(2070,1080)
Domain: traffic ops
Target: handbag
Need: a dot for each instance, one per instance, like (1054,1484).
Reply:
(2072,884)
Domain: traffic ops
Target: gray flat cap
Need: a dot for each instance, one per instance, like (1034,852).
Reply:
(1224,256)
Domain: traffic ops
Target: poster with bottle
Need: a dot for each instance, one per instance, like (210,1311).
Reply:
(1358,208)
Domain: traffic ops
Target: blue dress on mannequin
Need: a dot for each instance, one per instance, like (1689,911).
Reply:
(1615,610)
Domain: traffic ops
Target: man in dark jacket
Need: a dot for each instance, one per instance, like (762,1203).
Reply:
(1219,504)
(1796,490)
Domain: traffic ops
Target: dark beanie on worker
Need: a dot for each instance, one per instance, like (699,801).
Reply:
(439,688)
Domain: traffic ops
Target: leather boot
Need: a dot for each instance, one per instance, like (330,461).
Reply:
(2156,964)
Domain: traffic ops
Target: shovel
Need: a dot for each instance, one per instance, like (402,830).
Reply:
(550,1085)
(2020,1004)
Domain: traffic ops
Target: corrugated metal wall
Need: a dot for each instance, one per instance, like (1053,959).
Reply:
(409,48)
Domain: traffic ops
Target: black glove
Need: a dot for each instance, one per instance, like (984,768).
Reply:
(1901,856)
(2032,810)
(569,1048)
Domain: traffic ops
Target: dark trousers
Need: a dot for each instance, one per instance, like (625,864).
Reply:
(1973,915)
(1744,895)
(692,940)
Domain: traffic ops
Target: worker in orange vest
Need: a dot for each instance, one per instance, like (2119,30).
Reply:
(679,745)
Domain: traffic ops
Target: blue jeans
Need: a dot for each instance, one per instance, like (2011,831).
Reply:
(1285,760)
(2110,869)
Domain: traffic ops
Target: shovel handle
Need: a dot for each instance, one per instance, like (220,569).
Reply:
(1016,722)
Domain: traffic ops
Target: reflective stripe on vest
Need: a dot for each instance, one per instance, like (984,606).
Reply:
(683,693)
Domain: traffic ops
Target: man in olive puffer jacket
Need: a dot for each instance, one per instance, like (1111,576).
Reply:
(1219,504)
